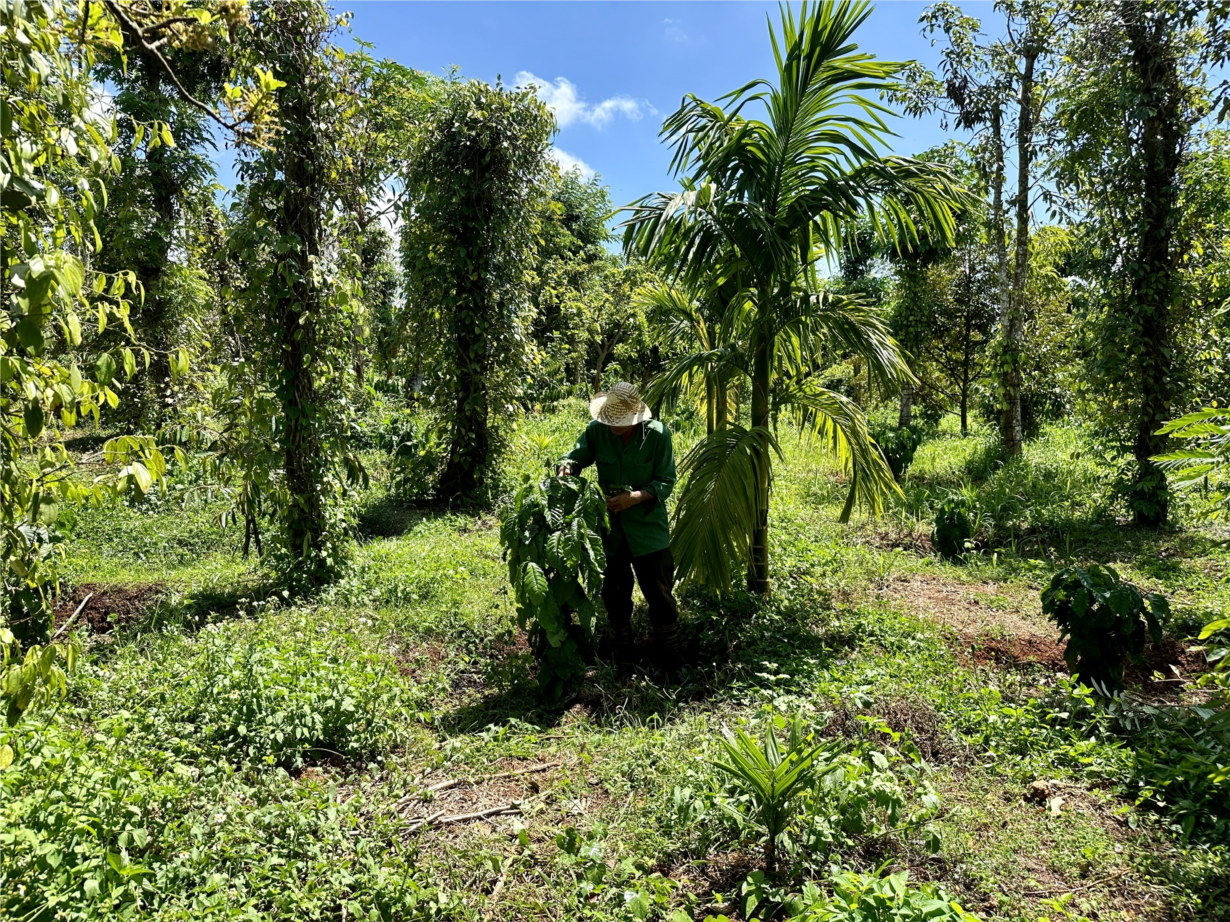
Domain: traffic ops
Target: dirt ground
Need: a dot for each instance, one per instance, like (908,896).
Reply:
(999,624)
(108,607)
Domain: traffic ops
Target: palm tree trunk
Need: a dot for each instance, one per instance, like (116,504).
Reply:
(721,408)
(762,367)
(710,405)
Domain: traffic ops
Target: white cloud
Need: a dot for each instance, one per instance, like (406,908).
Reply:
(563,99)
(674,30)
(568,162)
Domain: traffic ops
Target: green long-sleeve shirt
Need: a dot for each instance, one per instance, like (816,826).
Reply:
(647,462)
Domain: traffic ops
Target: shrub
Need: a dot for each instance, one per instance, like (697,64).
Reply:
(415,453)
(285,698)
(898,446)
(1183,763)
(1104,620)
(867,898)
(552,538)
(954,526)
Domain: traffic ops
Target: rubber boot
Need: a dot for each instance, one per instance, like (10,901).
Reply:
(622,649)
(668,650)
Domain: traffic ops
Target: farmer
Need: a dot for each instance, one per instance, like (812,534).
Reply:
(636,471)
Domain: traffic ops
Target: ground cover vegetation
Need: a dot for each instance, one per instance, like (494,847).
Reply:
(299,621)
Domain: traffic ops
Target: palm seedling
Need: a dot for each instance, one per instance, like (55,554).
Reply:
(771,778)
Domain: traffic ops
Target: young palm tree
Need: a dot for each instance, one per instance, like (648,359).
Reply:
(764,200)
(696,318)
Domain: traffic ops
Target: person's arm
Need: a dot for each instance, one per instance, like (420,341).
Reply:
(663,479)
(582,454)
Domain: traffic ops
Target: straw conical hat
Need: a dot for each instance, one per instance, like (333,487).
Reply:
(620,406)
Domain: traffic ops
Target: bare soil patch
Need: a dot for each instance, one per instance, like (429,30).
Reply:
(109,607)
(972,608)
(994,624)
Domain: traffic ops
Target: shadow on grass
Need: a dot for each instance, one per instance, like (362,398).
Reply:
(733,643)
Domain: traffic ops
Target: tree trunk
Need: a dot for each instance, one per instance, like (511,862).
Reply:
(470,443)
(967,358)
(721,410)
(1014,330)
(905,414)
(762,369)
(1153,284)
(1000,232)
(710,405)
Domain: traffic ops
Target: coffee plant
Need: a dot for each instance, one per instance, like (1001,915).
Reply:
(1105,620)
(898,446)
(552,536)
(954,526)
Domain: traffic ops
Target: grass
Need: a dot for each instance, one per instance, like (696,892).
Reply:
(243,756)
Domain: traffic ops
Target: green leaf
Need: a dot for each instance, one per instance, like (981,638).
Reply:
(534,581)
(104,369)
(33,418)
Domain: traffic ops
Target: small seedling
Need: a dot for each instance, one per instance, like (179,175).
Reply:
(772,778)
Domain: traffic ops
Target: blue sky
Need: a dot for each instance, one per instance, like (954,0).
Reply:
(613,71)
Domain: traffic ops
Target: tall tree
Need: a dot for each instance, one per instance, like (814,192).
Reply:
(298,302)
(997,89)
(773,197)
(164,183)
(1130,112)
(473,188)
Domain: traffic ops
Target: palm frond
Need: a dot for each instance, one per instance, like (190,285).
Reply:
(719,506)
(838,424)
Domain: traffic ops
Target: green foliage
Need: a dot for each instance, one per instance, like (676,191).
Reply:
(1132,119)
(415,452)
(717,512)
(285,703)
(898,445)
(1105,621)
(954,526)
(771,778)
(870,898)
(1206,464)
(1182,761)
(57,161)
(473,186)
(812,166)
(552,538)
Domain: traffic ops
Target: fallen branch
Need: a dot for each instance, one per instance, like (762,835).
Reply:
(449,783)
(533,769)
(1088,886)
(495,894)
(439,819)
(65,625)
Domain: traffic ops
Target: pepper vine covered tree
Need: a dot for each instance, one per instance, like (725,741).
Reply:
(1130,114)
(298,301)
(473,186)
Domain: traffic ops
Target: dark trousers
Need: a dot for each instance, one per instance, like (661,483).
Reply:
(655,573)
